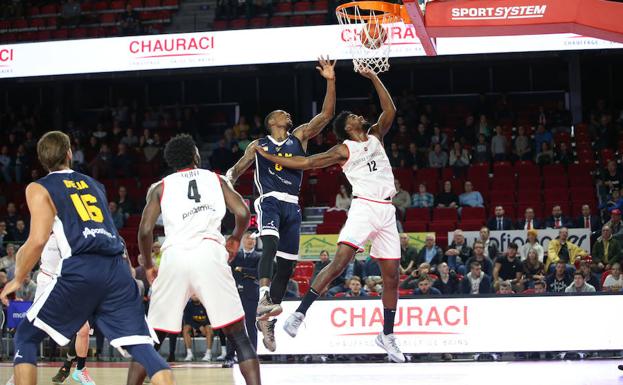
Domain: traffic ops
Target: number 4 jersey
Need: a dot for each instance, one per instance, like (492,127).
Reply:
(83,225)
(193,207)
(368,170)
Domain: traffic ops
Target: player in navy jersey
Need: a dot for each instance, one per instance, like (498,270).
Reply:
(279,215)
(73,206)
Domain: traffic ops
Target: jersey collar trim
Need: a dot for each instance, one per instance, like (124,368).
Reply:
(276,142)
(61,171)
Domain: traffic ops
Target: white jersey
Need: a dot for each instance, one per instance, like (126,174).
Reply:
(193,207)
(50,257)
(368,170)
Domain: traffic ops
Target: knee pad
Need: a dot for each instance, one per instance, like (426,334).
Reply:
(242,344)
(147,356)
(26,342)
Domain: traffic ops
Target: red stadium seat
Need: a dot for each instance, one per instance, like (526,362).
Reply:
(297,20)
(152,3)
(279,21)
(258,22)
(108,18)
(473,213)
(137,3)
(317,20)
(334,217)
(220,25)
(20,24)
(60,34)
(502,197)
(405,176)
(49,9)
(478,171)
(328,228)
(340,295)
(37,23)
(284,7)
(321,5)
(302,6)
(503,183)
(101,6)
(170,3)
(442,227)
(445,214)
(558,181)
(118,5)
(238,24)
(502,168)
(417,214)
(303,285)
(527,168)
(415,226)
(471,224)
(553,170)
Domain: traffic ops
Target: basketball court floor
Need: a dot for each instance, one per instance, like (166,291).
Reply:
(590,372)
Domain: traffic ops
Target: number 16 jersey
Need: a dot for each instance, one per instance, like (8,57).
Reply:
(193,206)
(368,170)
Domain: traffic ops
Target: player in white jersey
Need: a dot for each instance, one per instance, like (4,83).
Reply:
(79,346)
(195,254)
(371,217)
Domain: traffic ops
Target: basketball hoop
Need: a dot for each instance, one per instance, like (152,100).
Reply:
(369,41)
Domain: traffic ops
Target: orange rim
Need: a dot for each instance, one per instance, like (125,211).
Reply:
(396,11)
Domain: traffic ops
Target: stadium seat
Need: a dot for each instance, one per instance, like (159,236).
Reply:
(340,295)
(49,9)
(334,217)
(553,170)
(258,22)
(220,25)
(297,20)
(502,169)
(238,24)
(152,3)
(100,6)
(555,181)
(442,227)
(471,224)
(415,226)
(417,214)
(117,5)
(283,7)
(445,214)
(527,169)
(107,18)
(405,176)
(137,3)
(302,6)
(317,19)
(478,171)
(321,5)
(303,285)
(473,213)
(503,183)
(328,228)
(501,198)
(279,21)
(170,3)
(37,23)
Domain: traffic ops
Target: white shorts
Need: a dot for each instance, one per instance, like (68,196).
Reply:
(202,271)
(375,222)
(43,280)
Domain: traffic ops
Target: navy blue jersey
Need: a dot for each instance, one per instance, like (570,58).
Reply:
(195,314)
(271,177)
(83,224)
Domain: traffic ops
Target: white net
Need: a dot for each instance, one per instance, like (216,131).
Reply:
(369,39)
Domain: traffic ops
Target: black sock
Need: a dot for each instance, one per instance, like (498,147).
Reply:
(307,301)
(68,362)
(81,362)
(388,321)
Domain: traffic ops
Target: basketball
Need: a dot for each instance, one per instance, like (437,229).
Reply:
(373,36)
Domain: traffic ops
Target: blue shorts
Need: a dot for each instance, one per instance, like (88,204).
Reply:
(283,220)
(98,289)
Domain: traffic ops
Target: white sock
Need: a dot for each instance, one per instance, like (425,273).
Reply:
(223,350)
(189,352)
(263,290)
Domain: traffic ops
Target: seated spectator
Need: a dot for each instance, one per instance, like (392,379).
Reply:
(448,282)
(422,199)
(221,158)
(508,268)
(470,198)
(491,250)
(373,285)
(343,198)
(543,136)
(588,221)
(459,159)
(480,257)
(563,155)
(422,140)
(12,216)
(458,253)
(77,159)
(533,269)
(28,290)
(124,203)
(540,287)
(321,264)
(240,127)
(5,164)
(557,220)
(606,251)
(4,236)
(430,253)
(408,255)
(589,277)
(396,159)
(129,22)
(439,137)
(412,158)
(355,288)
(560,279)
(424,287)
(447,198)
(532,243)
(481,150)
(579,284)
(402,200)
(340,284)
(499,145)
(614,223)
(20,233)
(196,322)
(545,156)
(505,288)
(614,201)
(499,221)
(437,158)
(522,147)
(609,179)
(561,249)
(371,268)
(476,282)
(7,263)
(614,280)
(411,281)
(117,215)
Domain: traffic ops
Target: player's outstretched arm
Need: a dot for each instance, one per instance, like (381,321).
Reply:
(307,131)
(382,126)
(151,212)
(336,155)
(42,212)
(236,205)
(242,165)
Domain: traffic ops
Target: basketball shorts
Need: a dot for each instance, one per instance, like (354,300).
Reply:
(43,281)
(202,271)
(283,220)
(96,289)
(375,222)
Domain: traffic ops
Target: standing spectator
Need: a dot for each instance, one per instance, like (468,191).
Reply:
(558,281)
(459,159)
(402,200)
(470,198)
(424,287)
(117,216)
(542,136)
(491,250)
(606,251)
(533,269)
(28,290)
(499,222)
(124,203)
(476,282)
(20,233)
(448,282)
(588,221)
(557,220)
(529,222)
(437,158)
(430,253)
(343,198)
(422,199)
(614,280)
(499,145)
(5,164)
(532,243)
(561,249)
(196,322)
(545,156)
(479,256)
(130,25)
(579,284)
(483,126)
(355,288)
(458,252)
(447,198)
(508,268)
(408,255)
(481,150)
(522,148)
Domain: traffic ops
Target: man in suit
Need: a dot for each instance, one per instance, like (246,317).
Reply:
(244,268)
(588,221)
(557,220)
(499,222)
(529,222)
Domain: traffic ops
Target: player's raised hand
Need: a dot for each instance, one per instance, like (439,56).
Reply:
(326,68)
(10,288)
(232,245)
(366,72)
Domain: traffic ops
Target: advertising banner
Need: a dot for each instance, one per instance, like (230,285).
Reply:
(16,312)
(581,237)
(454,325)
